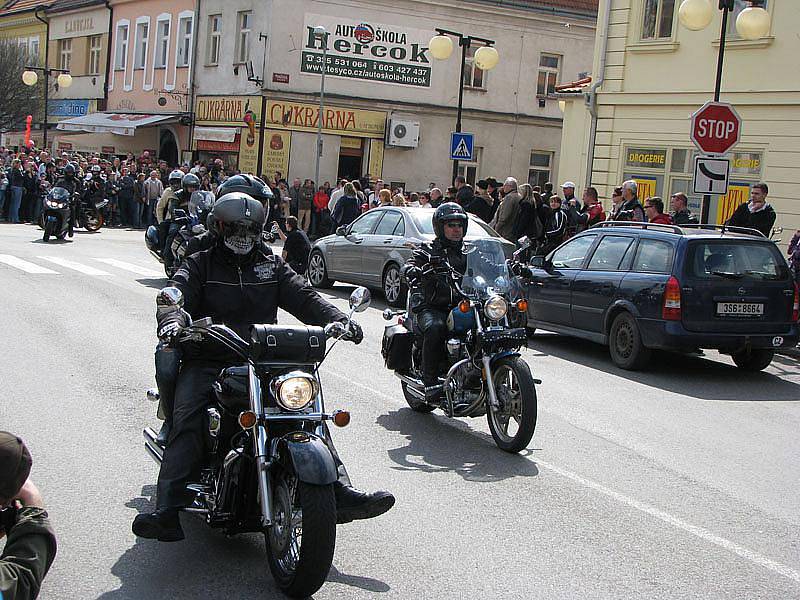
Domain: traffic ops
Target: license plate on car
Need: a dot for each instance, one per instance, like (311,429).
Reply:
(740,309)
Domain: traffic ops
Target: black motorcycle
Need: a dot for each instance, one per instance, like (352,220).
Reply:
(90,213)
(484,371)
(267,467)
(56,209)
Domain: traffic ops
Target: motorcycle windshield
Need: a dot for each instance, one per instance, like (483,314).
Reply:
(487,273)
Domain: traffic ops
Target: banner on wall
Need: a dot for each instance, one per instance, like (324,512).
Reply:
(366,50)
(297,116)
(647,187)
(375,168)
(233,111)
(738,192)
(277,145)
(248,151)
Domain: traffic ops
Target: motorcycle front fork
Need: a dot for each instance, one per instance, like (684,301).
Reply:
(261,446)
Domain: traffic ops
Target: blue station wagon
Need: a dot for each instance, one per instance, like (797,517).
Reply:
(636,287)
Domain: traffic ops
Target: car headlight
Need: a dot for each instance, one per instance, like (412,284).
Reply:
(295,390)
(496,308)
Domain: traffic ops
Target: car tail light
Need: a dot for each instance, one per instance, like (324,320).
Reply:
(671,310)
(796,304)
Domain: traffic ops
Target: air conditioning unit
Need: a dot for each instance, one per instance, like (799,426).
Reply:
(403,133)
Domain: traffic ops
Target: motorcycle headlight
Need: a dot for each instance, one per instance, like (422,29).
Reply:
(496,308)
(294,391)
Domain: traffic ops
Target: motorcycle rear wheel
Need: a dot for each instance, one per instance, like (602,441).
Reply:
(513,423)
(93,222)
(301,541)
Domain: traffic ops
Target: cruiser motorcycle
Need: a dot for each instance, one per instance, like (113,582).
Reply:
(90,215)
(485,373)
(267,468)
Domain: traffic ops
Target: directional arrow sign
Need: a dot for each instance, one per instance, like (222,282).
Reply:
(462,146)
(711,175)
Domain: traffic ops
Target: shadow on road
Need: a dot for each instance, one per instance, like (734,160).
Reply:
(207,564)
(690,375)
(156,282)
(54,241)
(438,444)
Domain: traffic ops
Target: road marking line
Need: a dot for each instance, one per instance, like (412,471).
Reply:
(699,532)
(24,265)
(120,264)
(69,264)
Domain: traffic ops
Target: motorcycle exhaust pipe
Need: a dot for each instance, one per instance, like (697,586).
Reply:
(415,386)
(155,451)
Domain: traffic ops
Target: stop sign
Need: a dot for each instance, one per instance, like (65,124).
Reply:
(716,128)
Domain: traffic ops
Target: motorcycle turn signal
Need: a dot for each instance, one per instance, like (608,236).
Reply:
(341,418)
(522,305)
(247,419)
(464,306)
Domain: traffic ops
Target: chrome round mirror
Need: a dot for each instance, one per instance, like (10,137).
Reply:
(388,314)
(360,299)
(169,296)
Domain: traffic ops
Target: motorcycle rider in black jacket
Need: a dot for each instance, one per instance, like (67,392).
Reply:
(189,184)
(431,294)
(74,186)
(238,282)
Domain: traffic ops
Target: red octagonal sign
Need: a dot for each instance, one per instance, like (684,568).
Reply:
(716,128)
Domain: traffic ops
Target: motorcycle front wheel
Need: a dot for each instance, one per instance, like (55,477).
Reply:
(513,422)
(301,540)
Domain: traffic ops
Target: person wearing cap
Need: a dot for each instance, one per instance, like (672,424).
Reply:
(31,544)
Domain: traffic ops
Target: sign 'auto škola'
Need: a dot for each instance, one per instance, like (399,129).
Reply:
(367,51)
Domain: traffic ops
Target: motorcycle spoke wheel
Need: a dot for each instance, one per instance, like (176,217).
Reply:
(301,540)
(513,421)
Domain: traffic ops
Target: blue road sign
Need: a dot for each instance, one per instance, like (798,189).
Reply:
(462,146)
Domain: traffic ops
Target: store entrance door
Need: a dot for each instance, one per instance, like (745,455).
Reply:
(351,155)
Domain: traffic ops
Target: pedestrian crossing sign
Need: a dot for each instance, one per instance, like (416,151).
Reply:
(462,146)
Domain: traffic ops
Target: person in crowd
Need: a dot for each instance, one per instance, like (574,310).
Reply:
(436,197)
(347,207)
(654,211)
(373,195)
(556,227)
(631,209)
(398,200)
(757,214)
(127,203)
(305,203)
(31,193)
(548,191)
(591,212)
(681,215)
(450,194)
(794,256)
(17,189)
(527,222)
(112,209)
(153,190)
(384,197)
(503,222)
(482,204)
(616,203)
(413,200)
(296,245)
(425,200)
(140,201)
(295,192)
(30,546)
(337,193)
(321,219)
(464,191)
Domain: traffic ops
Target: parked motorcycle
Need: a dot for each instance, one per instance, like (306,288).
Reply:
(56,208)
(485,373)
(267,467)
(189,224)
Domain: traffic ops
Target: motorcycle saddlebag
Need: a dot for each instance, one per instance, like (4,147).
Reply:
(396,347)
(287,343)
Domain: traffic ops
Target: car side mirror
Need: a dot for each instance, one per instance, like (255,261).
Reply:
(341,230)
(539,262)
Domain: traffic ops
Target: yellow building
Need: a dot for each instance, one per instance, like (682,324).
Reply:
(650,74)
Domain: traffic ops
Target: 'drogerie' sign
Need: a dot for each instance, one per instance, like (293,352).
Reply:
(368,51)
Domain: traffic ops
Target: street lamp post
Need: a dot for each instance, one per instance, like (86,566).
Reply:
(486,58)
(30,78)
(322,33)
(752,23)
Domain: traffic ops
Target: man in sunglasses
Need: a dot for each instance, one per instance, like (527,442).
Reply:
(31,544)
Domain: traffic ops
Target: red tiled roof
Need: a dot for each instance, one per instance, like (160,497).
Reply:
(578,6)
(15,6)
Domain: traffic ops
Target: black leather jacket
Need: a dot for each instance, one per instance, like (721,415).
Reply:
(242,291)
(435,290)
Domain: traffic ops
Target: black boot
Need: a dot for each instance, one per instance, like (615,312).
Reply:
(353,504)
(163,434)
(163,525)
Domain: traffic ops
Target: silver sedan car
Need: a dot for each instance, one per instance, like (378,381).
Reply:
(371,250)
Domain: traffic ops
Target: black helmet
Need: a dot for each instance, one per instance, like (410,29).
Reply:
(237,215)
(96,170)
(190,180)
(70,169)
(449,211)
(246,184)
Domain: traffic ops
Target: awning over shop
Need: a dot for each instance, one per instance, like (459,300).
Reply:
(118,123)
(215,134)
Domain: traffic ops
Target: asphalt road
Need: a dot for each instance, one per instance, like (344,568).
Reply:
(678,482)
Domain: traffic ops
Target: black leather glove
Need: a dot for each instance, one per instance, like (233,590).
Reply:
(412,274)
(354,333)
(520,270)
(168,331)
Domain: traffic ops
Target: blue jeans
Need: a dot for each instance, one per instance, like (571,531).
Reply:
(16,200)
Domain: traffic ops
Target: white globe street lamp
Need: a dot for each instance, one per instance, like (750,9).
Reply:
(695,14)
(486,58)
(29,77)
(64,80)
(753,23)
(441,47)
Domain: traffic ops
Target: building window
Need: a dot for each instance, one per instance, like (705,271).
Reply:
(245,23)
(162,44)
(142,40)
(469,170)
(214,38)
(539,169)
(33,50)
(184,41)
(121,59)
(739,6)
(473,76)
(64,53)
(657,19)
(95,49)
(549,70)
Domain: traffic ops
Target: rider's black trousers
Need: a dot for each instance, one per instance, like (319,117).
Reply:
(184,452)
(433,324)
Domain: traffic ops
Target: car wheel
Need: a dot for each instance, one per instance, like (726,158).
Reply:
(625,343)
(317,271)
(394,290)
(753,360)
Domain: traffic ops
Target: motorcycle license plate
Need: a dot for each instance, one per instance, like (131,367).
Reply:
(740,309)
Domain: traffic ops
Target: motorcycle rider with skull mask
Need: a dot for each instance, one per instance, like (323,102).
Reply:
(238,282)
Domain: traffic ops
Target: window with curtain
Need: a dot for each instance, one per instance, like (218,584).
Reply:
(658,17)
(245,24)
(549,71)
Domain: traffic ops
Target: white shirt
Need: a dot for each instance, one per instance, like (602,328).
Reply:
(335,195)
